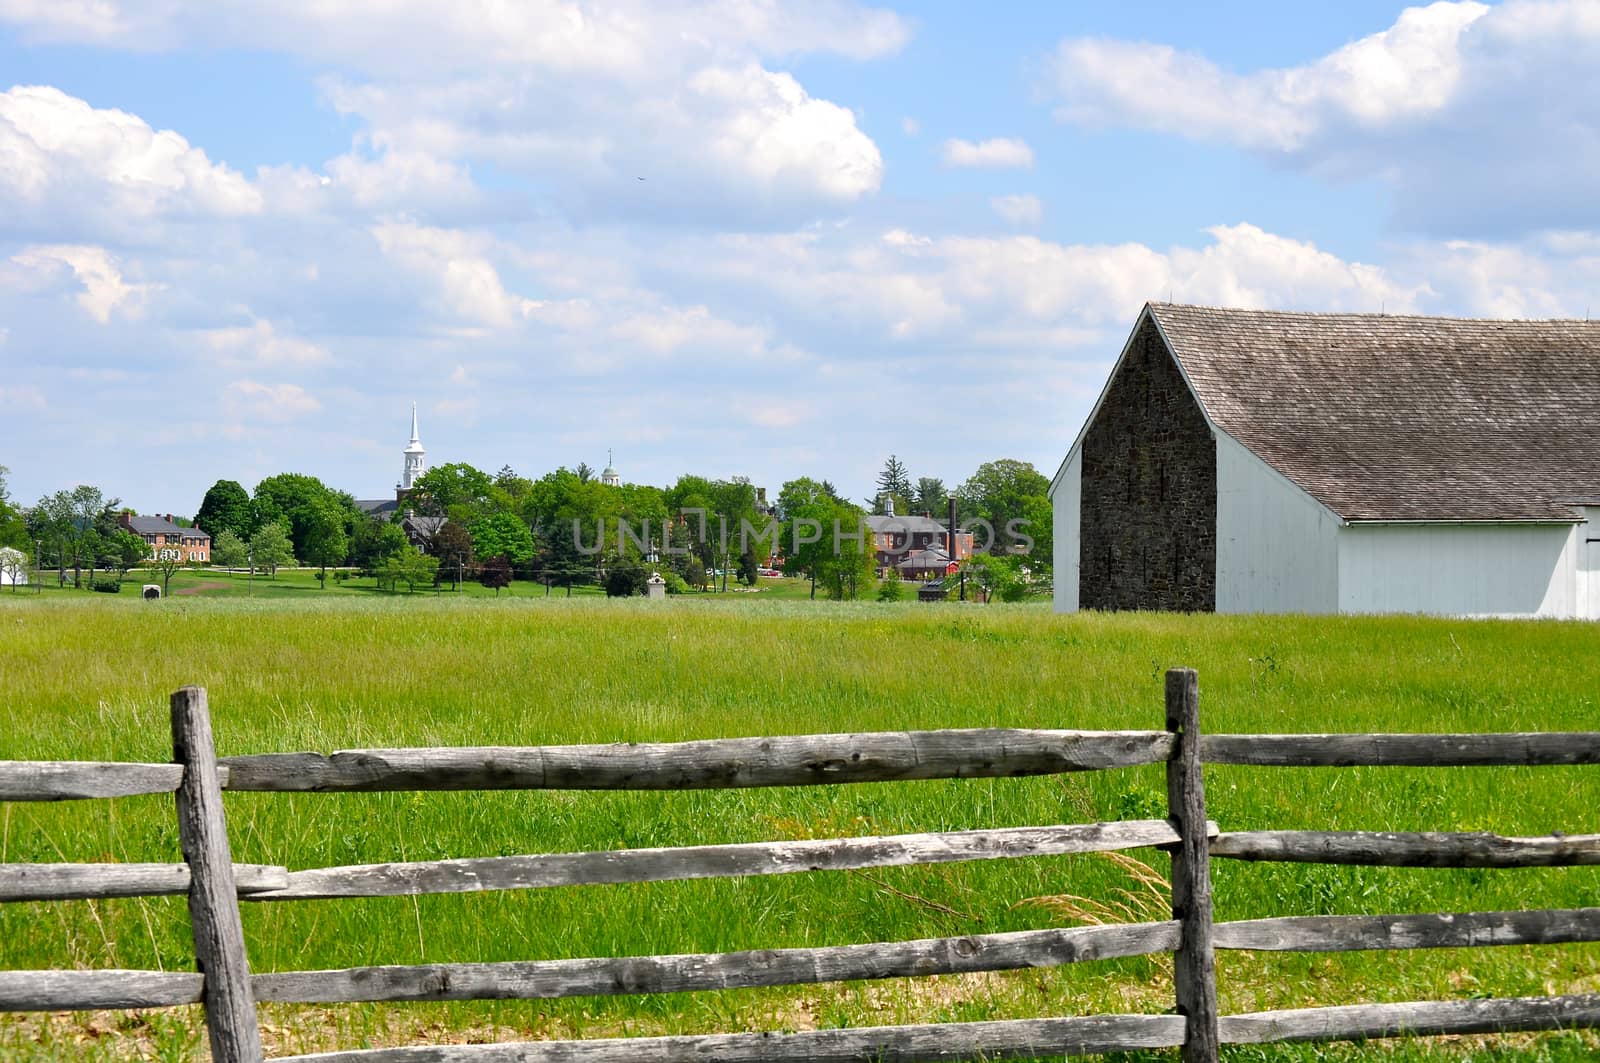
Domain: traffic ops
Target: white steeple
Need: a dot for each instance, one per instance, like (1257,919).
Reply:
(609,477)
(415,465)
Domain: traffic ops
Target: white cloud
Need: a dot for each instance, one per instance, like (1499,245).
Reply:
(1480,118)
(28,396)
(96,273)
(581,98)
(910,126)
(995,152)
(61,158)
(261,343)
(270,403)
(1019,210)
(466,284)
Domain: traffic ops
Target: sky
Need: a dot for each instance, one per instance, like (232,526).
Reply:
(730,237)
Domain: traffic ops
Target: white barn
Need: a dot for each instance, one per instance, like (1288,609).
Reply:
(1249,461)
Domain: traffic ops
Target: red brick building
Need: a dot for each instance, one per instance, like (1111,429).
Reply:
(165,537)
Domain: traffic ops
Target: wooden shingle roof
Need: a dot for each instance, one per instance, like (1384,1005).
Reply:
(1389,417)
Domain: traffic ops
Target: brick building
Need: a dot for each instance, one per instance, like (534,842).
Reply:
(165,537)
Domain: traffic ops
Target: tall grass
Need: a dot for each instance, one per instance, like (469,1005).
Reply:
(88,679)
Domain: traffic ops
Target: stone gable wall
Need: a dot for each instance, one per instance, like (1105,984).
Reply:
(1148,525)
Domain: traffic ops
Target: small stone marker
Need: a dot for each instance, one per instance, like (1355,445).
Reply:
(151,591)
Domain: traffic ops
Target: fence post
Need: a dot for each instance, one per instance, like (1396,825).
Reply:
(213,897)
(1194,966)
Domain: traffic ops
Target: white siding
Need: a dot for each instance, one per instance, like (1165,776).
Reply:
(1065,502)
(1459,569)
(1588,545)
(1277,547)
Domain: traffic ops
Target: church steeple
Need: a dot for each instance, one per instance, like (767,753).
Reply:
(609,477)
(415,464)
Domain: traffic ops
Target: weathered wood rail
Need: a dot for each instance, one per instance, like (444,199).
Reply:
(215,886)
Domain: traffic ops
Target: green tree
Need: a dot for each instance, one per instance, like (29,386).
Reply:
(894,479)
(326,541)
(374,542)
(452,545)
(271,547)
(502,535)
(228,550)
(50,522)
(996,577)
(291,499)
(123,550)
(625,579)
(823,539)
(1001,492)
(455,490)
(891,589)
(417,568)
(165,563)
(931,497)
(226,507)
(749,569)
(13,526)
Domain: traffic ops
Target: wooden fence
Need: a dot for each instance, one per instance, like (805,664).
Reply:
(229,992)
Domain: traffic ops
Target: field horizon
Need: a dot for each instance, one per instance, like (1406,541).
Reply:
(87,677)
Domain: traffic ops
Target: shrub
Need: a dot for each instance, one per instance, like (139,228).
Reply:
(108,586)
(675,583)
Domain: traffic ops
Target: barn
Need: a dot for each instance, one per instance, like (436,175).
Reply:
(1247,461)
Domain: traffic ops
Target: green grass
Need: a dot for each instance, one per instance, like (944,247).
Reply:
(86,676)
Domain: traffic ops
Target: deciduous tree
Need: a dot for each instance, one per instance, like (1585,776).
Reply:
(229,550)
(226,507)
(270,547)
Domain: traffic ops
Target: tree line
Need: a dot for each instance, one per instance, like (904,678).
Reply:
(563,529)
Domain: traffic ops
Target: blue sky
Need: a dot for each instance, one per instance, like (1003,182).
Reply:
(732,237)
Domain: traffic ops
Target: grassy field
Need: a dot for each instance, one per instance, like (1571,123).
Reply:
(86,676)
(301,583)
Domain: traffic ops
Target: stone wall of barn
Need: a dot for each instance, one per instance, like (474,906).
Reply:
(1148,502)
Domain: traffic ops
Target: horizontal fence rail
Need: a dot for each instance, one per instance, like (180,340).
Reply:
(950,1042)
(1434,930)
(1403,750)
(95,990)
(1426,1018)
(77,882)
(1408,848)
(65,780)
(611,976)
(608,867)
(795,760)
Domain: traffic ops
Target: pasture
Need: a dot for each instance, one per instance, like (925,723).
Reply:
(87,677)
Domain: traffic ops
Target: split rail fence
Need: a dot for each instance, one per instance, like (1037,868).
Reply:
(229,991)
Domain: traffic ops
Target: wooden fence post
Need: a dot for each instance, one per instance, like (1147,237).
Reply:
(1194,965)
(213,897)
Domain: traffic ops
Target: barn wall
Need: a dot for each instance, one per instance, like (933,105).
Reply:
(1459,569)
(1148,509)
(1065,500)
(1588,547)
(1277,547)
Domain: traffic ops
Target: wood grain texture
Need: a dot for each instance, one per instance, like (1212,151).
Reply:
(1414,1019)
(610,976)
(1194,971)
(1438,930)
(713,861)
(956,1042)
(1410,750)
(73,882)
(95,990)
(66,780)
(213,896)
(1408,849)
(797,760)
